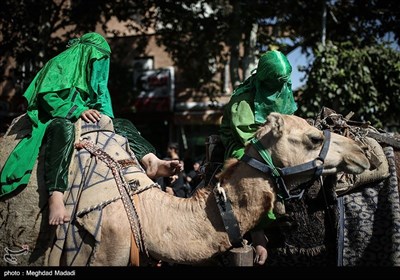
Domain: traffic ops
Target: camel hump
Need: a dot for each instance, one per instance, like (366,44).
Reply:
(24,219)
(104,124)
(19,128)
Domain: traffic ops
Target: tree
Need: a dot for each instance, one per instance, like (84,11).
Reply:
(205,36)
(364,80)
(30,38)
(202,36)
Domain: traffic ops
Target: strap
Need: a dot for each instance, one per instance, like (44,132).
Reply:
(311,164)
(265,155)
(228,218)
(123,188)
(256,164)
(125,163)
(280,183)
(340,231)
(135,257)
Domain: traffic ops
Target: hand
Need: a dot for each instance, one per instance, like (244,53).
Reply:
(260,244)
(91,115)
(174,178)
(261,255)
(175,166)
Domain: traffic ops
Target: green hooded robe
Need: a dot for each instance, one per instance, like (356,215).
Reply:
(68,84)
(268,90)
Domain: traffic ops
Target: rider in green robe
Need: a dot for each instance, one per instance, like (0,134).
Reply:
(62,89)
(70,86)
(267,90)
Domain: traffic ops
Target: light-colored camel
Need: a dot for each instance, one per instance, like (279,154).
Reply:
(177,230)
(190,230)
(345,222)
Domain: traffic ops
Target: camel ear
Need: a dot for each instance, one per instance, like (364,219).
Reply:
(276,123)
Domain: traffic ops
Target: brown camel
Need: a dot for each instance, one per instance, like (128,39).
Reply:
(190,230)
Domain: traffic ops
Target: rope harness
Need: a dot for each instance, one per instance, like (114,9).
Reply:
(125,190)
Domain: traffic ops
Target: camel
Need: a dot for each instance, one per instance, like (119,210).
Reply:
(191,230)
(332,226)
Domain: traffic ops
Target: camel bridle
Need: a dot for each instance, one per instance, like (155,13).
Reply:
(278,173)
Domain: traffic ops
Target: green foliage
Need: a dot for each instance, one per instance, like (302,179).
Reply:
(365,81)
(202,36)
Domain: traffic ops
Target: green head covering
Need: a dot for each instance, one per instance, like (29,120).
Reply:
(272,86)
(84,65)
(74,68)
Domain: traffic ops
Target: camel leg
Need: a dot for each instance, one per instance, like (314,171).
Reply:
(114,248)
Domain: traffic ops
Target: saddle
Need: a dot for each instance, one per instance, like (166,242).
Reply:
(368,137)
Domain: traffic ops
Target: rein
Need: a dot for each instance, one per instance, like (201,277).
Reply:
(278,173)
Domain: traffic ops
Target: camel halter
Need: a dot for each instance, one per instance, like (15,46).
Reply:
(278,173)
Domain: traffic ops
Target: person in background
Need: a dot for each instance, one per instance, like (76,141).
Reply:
(193,177)
(267,90)
(175,184)
(70,86)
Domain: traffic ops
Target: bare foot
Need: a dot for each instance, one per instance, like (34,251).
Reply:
(57,212)
(156,167)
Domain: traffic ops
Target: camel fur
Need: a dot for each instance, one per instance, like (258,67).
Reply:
(190,230)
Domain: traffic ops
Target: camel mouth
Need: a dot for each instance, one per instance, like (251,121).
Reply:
(356,165)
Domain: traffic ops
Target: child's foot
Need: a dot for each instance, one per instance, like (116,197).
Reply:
(57,212)
(156,167)
(167,168)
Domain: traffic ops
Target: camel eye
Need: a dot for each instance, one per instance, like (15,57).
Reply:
(316,140)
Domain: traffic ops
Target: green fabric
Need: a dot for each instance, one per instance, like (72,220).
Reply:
(265,221)
(266,156)
(268,90)
(139,145)
(60,138)
(68,84)
(238,124)
(71,68)
(273,86)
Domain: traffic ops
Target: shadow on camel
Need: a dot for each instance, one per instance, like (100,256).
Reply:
(115,207)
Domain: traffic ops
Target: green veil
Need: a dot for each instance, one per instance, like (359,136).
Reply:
(70,71)
(272,86)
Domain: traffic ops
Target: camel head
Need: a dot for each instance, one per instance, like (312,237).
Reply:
(292,141)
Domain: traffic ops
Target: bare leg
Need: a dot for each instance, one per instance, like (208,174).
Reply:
(156,167)
(260,244)
(57,212)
